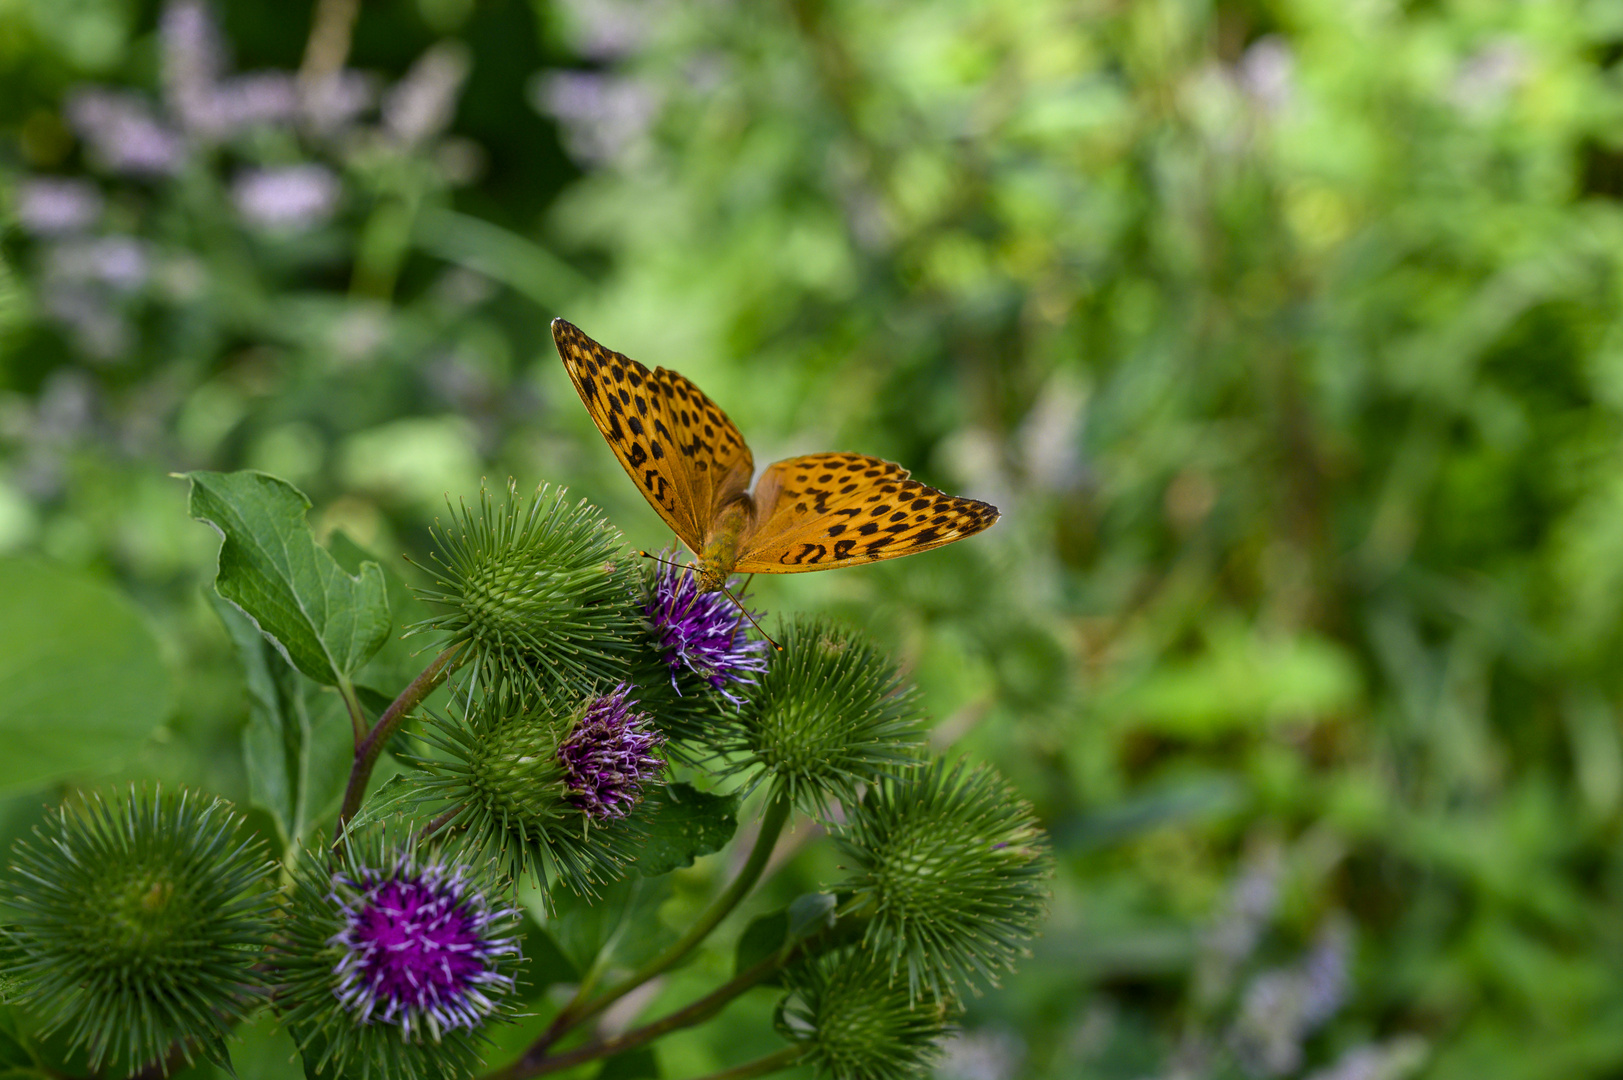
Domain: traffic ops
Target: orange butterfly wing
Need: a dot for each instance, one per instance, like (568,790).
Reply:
(825,510)
(682,452)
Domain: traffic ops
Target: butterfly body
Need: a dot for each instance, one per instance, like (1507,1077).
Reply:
(719,555)
(813,512)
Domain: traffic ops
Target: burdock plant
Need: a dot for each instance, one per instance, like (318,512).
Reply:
(543,787)
(393,959)
(606,725)
(138,924)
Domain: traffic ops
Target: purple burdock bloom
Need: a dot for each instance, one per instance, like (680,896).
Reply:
(418,950)
(705,634)
(610,755)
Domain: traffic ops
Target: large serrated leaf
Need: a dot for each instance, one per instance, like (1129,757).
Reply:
(82,683)
(683,823)
(324,620)
(296,746)
(400,659)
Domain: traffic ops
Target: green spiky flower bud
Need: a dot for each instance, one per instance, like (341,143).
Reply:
(949,865)
(538,591)
(548,789)
(138,924)
(856,1023)
(831,714)
(394,961)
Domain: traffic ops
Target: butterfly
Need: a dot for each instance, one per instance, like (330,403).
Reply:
(814,512)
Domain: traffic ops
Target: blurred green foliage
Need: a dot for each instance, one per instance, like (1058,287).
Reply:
(1285,333)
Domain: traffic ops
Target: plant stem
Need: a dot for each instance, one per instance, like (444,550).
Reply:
(761,1066)
(772,823)
(844,930)
(533,1064)
(371,747)
(331,32)
(439,823)
(352,704)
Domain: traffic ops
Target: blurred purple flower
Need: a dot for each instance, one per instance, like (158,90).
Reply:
(602,116)
(1282,1007)
(981,1055)
(192,61)
(1391,1060)
(208,104)
(255,100)
(122,133)
(1267,73)
(292,197)
(609,755)
(1232,937)
(1485,79)
(119,263)
(330,104)
(704,634)
(422,104)
(609,29)
(52,206)
(96,327)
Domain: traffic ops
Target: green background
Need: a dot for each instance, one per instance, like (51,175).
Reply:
(1286,335)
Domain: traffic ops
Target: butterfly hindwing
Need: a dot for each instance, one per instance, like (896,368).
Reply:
(826,510)
(682,452)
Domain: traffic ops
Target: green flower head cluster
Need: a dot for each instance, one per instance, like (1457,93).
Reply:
(138,922)
(603,722)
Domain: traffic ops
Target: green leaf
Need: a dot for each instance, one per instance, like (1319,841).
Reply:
(325,621)
(396,798)
(214,1050)
(623,923)
(544,963)
(638,1064)
(401,658)
(761,938)
(14,1052)
(264,1051)
(82,683)
(809,914)
(683,823)
(297,746)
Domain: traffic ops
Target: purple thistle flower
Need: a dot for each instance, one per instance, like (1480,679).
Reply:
(609,755)
(416,948)
(708,635)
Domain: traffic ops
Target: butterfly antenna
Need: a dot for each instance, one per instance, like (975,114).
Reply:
(745,612)
(656,558)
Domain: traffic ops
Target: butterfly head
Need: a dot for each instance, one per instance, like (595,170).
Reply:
(710,577)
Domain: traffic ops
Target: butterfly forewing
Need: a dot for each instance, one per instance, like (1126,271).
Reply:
(685,456)
(825,510)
